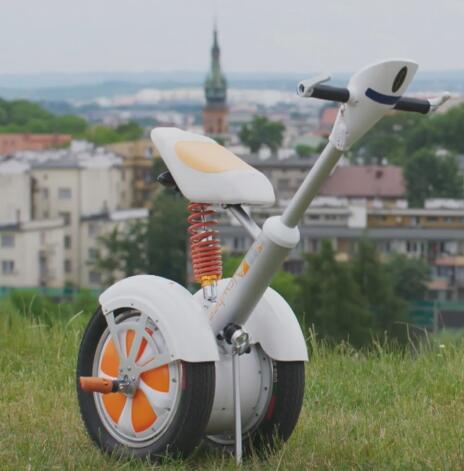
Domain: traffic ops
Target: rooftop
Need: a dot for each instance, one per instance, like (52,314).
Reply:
(365,181)
(79,155)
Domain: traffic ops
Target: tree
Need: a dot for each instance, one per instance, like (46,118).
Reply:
(304,150)
(284,283)
(157,245)
(122,252)
(330,300)
(22,116)
(429,176)
(375,285)
(262,132)
(409,277)
(167,237)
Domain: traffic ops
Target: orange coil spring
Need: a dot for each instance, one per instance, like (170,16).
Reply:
(204,244)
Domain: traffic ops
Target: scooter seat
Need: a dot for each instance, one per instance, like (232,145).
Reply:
(206,172)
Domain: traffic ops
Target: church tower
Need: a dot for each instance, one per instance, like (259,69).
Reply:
(215,111)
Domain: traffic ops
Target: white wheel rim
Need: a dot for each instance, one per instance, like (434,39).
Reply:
(140,420)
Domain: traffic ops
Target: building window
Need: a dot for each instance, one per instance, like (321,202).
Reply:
(64,193)
(415,220)
(8,240)
(93,229)
(67,266)
(8,267)
(45,193)
(67,242)
(93,253)
(94,278)
(66,217)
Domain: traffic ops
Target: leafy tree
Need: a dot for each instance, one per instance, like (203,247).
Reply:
(286,284)
(304,150)
(388,139)
(409,277)
(157,245)
(429,176)
(330,299)
(375,285)
(121,252)
(101,135)
(167,237)
(22,116)
(262,132)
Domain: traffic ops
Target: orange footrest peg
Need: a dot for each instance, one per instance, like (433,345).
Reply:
(96,384)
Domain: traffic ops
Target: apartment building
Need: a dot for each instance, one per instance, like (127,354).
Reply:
(52,199)
(32,254)
(138,159)
(434,233)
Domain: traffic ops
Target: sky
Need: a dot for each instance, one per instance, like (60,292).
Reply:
(42,36)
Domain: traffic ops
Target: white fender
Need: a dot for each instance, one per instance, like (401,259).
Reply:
(273,325)
(184,325)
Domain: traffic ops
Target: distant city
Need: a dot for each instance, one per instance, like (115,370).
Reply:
(60,195)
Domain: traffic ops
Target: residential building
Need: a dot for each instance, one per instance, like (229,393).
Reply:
(11,143)
(52,199)
(31,254)
(138,158)
(428,234)
(448,282)
(371,182)
(327,117)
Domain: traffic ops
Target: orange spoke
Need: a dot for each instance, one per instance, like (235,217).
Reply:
(143,415)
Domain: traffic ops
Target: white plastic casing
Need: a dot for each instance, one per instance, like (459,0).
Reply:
(173,309)
(281,234)
(357,116)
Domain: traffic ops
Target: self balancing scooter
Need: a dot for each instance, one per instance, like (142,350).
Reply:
(160,369)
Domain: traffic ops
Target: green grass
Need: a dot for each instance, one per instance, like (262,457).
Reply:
(382,410)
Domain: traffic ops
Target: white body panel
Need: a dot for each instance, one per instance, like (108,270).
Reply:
(182,321)
(273,325)
(372,95)
(235,183)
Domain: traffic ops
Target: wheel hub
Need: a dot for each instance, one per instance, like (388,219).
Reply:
(147,396)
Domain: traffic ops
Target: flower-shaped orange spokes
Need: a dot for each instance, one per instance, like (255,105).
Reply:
(142,411)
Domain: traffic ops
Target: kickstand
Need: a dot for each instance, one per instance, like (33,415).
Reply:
(237,409)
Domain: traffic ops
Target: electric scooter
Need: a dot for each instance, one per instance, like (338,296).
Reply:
(161,369)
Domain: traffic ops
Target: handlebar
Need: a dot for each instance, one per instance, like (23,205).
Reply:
(314,88)
(413,104)
(325,92)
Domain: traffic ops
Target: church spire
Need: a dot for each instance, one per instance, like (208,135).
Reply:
(215,112)
(215,84)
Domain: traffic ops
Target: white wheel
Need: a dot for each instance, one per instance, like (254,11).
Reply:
(165,405)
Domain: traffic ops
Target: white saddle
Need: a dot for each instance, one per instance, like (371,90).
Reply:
(207,172)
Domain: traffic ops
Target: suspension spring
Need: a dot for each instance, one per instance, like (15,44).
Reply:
(205,245)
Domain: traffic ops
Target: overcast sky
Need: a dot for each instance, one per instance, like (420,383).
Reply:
(255,35)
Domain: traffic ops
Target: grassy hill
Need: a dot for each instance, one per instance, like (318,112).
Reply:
(378,410)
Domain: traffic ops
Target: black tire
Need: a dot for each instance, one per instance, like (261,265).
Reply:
(281,415)
(189,422)
(283,411)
